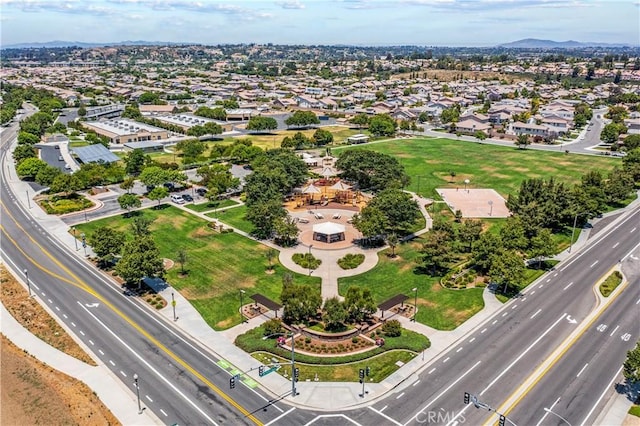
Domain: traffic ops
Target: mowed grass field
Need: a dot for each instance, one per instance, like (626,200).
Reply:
(429,162)
(218,265)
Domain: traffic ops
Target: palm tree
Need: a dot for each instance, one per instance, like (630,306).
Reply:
(393,241)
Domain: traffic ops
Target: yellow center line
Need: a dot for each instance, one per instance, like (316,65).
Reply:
(80,283)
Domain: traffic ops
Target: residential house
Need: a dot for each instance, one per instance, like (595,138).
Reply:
(520,128)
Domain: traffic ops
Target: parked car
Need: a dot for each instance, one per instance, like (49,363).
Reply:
(177,199)
(60,158)
(201,191)
(186,197)
(170,186)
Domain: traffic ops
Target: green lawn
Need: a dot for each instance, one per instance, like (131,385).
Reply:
(486,166)
(209,206)
(234,217)
(218,265)
(438,307)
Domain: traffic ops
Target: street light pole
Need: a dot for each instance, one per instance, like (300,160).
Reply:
(135,383)
(309,260)
(75,239)
(241,303)
(173,303)
(415,304)
(294,391)
(26,276)
(548,410)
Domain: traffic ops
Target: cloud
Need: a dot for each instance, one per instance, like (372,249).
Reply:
(295,4)
(70,6)
(495,5)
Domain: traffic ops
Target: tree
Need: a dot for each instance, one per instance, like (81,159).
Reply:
(630,143)
(135,162)
(26,138)
(140,258)
(29,167)
(612,131)
(272,326)
(631,366)
(67,183)
(450,115)
(335,313)
(371,222)
(47,174)
(322,137)
(361,120)
(181,258)
(400,210)
(261,124)
(191,149)
(156,175)
(489,245)
(542,245)
(393,241)
(372,170)
(392,328)
(128,184)
(286,231)
(480,135)
(436,251)
(158,193)
(382,125)
(522,141)
(300,303)
(264,216)
(359,303)
(140,226)
(82,111)
(106,241)
(270,255)
(213,113)
(302,119)
(508,268)
(128,201)
(470,231)
(22,152)
(217,178)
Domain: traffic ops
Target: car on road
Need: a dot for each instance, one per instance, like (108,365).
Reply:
(177,199)
(60,158)
(186,197)
(201,191)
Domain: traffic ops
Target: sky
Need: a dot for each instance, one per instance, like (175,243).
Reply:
(354,22)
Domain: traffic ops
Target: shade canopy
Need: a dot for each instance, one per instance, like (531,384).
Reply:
(311,189)
(328,228)
(327,172)
(340,186)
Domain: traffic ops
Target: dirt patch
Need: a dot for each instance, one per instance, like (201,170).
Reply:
(33,393)
(34,318)
(167,264)
(201,232)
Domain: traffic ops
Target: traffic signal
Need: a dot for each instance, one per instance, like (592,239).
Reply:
(368,371)
(296,374)
(361,373)
(232,382)
(261,370)
(466,397)
(501,420)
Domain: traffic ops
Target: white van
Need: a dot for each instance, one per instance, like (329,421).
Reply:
(177,199)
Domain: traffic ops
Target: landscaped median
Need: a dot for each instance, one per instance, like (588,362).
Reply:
(336,366)
(610,283)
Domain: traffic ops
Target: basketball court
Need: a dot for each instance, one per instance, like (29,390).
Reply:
(475,203)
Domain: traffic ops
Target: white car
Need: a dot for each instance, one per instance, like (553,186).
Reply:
(177,199)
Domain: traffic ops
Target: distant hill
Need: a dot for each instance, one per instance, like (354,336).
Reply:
(62,43)
(534,43)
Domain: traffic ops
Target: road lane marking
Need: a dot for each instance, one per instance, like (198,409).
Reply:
(100,350)
(82,332)
(165,414)
(568,285)
(65,316)
(50,301)
(167,381)
(380,413)
(112,363)
(400,396)
(625,337)
(601,328)
(524,298)
(383,408)
(484,329)
(459,349)
(555,275)
(444,391)
(514,306)
(494,322)
(446,359)
(606,389)
(583,368)
(504,314)
(57,309)
(616,245)
(634,228)
(547,412)
(541,285)
(549,279)
(417,381)
(614,330)
(515,361)
(36,287)
(533,292)
(471,341)
(638,302)
(593,264)
(91,341)
(432,370)
(537,312)
(150,400)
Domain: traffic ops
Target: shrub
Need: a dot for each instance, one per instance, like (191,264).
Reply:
(355,339)
(351,261)
(307,340)
(273,326)
(306,260)
(392,328)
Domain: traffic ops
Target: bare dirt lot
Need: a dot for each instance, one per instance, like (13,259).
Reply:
(31,392)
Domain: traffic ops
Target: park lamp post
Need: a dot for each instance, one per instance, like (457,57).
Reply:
(241,303)
(548,410)
(294,391)
(309,260)
(415,303)
(26,277)
(466,182)
(136,384)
